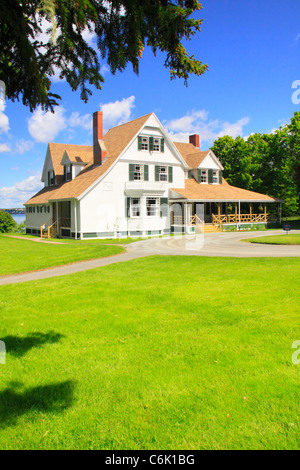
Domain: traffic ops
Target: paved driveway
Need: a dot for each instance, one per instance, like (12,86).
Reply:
(213,244)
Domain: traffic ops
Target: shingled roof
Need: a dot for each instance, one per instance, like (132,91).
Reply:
(115,140)
(219,192)
(191,154)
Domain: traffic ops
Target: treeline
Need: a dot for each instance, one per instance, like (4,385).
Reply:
(265,163)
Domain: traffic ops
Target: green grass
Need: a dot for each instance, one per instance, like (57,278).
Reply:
(287,239)
(156,353)
(18,256)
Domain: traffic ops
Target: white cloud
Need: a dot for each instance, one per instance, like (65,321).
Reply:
(117,112)
(4,148)
(197,122)
(84,121)
(44,126)
(187,123)
(16,195)
(23,146)
(234,129)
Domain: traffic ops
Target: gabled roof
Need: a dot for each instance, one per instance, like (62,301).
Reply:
(219,192)
(191,154)
(115,140)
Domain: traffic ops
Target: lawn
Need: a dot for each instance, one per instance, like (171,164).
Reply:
(18,256)
(290,239)
(127,357)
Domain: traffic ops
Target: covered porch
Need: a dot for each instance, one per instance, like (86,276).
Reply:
(59,226)
(222,215)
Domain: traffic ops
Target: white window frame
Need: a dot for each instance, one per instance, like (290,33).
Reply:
(145,143)
(149,207)
(215,177)
(69,172)
(140,172)
(156,144)
(135,207)
(163,174)
(204,176)
(51,178)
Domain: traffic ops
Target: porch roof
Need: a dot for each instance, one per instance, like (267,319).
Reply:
(219,192)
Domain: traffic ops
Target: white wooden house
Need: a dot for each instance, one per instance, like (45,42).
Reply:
(134,181)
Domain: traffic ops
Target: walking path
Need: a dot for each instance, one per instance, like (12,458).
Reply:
(213,244)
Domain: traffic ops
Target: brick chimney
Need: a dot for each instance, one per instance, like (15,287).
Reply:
(99,151)
(195,140)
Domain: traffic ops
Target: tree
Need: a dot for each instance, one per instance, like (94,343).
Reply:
(122,27)
(7,222)
(265,163)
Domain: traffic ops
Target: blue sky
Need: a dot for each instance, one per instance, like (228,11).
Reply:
(252,49)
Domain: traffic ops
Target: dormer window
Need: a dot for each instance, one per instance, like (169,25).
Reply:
(68,172)
(215,177)
(51,178)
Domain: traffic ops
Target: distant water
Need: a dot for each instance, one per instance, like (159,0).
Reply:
(19,218)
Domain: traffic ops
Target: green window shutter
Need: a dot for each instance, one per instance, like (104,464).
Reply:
(139,142)
(210,176)
(156,173)
(220,177)
(128,207)
(164,207)
(162,145)
(151,144)
(65,173)
(199,175)
(146,172)
(131,172)
(170,170)
(48,178)
(190,174)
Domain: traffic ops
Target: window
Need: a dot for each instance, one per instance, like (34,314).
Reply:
(215,177)
(204,176)
(68,172)
(163,175)
(156,146)
(144,143)
(138,173)
(51,178)
(135,207)
(152,206)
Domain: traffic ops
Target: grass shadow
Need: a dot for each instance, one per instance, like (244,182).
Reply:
(54,398)
(18,346)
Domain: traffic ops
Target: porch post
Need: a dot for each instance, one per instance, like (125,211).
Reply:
(250,211)
(236,211)
(75,218)
(265,212)
(239,212)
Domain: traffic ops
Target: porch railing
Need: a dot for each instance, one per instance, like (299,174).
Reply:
(180,220)
(50,229)
(242,218)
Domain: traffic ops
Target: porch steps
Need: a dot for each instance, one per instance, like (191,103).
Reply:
(210,228)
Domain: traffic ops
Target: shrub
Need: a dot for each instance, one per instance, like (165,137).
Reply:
(7,222)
